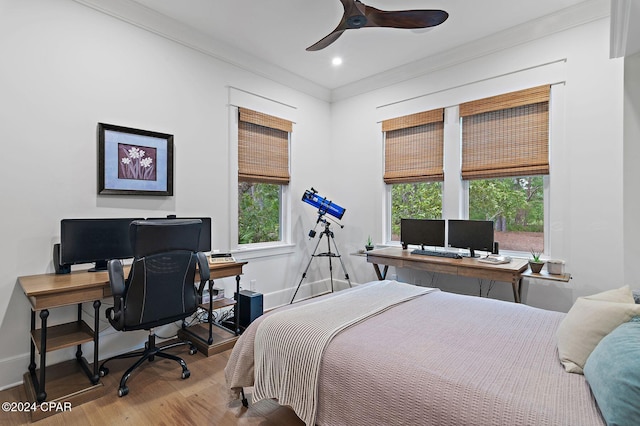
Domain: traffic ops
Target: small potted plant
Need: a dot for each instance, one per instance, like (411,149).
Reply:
(535,263)
(369,245)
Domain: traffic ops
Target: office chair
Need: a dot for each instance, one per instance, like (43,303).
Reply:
(160,286)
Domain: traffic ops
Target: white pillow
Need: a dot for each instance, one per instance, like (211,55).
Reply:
(588,321)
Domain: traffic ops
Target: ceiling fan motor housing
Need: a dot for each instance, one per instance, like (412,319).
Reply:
(356,21)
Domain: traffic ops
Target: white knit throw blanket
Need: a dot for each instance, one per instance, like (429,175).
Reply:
(289,344)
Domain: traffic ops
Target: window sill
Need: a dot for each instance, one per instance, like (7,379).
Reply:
(255,251)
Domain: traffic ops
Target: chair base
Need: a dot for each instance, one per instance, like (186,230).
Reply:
(148,353)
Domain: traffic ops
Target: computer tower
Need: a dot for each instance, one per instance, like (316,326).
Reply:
(250,305)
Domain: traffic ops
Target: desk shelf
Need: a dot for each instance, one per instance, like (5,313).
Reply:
(46,339)
(211,338)
(544,275)
(63,336)
(66,383)
(223,302)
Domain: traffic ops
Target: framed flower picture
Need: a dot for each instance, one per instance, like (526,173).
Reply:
(134,162)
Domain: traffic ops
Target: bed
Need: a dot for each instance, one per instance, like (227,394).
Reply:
(435,359)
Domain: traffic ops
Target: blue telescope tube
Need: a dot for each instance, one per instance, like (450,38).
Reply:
(322,204)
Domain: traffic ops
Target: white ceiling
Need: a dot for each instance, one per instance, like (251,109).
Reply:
(278,31)
(269,37)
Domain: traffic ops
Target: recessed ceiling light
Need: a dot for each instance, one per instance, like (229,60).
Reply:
(336,61)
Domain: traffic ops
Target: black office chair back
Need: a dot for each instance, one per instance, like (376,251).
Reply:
(160,287)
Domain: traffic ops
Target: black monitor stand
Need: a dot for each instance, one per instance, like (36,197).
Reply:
(472,253)
(100,266)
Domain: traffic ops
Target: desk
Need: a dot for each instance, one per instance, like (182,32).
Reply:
(466,267)
(47,291)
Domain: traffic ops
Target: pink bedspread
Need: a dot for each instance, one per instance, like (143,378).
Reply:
(443,359)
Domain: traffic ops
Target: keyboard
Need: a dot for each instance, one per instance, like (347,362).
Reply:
(448,254)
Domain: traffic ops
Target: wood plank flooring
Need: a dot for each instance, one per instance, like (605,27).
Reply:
(158,396)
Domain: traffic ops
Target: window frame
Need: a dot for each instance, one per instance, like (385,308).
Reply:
(284,245)
(455,190)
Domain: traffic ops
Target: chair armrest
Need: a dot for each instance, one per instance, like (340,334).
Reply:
(116,281)
(116,277)
(203,268)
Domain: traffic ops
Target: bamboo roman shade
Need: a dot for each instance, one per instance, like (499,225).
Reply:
(263,148)
(506,135)
(414,147)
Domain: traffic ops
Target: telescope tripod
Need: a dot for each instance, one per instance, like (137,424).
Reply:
(329,254)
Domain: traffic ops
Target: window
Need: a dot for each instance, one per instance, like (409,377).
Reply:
(505,154)
(258,212)
(414,167)
(420,200)
(515,205)
(263,175)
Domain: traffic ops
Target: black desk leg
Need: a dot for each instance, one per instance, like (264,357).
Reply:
(210,313)
(79,347)
(236,309)
(32,354)
(96,335)
(41,394)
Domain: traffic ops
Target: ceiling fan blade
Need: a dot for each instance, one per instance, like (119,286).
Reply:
(404,18)
(326,41)
(352,10)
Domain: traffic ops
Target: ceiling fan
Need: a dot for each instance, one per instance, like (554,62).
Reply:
(357,15)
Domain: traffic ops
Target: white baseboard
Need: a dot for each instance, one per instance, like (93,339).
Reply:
(307,290)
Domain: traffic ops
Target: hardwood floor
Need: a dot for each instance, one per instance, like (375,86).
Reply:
(158,396)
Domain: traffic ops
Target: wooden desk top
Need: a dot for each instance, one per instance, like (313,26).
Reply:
(393,255)
(46,291)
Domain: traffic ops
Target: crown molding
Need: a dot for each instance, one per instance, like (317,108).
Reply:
(574,16)
(147,19)
(625,30)
(620,14)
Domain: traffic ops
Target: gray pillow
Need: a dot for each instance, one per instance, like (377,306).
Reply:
(636,295)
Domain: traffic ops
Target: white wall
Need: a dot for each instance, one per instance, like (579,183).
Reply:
(66,67)
(631,169)
(586,192)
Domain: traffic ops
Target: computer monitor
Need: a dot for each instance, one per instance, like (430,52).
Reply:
(471,234)
(205,231)
(422,232)
(94,240)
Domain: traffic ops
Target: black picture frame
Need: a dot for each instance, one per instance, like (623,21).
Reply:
(134,161)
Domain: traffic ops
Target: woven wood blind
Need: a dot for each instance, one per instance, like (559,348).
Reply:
(414,147)
(263,148)
(506,135)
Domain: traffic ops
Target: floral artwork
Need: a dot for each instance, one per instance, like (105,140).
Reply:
(136,162)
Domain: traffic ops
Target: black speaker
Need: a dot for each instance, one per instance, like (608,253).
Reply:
(250,305)
(59,268)
(495,248)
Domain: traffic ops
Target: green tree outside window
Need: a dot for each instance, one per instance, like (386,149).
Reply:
(258,212)
(420,200)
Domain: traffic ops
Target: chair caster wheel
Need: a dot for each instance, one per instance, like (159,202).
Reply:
(193,350)
(186,374)
(123,391)
(104,371)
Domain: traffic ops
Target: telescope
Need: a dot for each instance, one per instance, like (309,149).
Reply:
(322,204)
